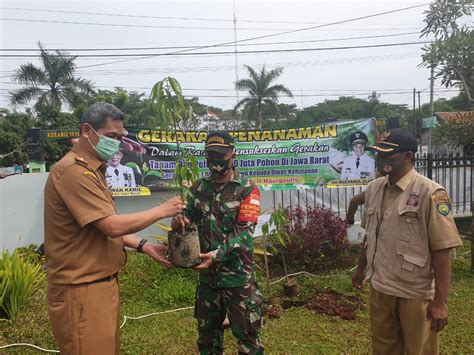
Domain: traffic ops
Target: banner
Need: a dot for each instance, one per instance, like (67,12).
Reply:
(327,155)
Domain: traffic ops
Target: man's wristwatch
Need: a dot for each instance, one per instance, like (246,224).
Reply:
(140,245)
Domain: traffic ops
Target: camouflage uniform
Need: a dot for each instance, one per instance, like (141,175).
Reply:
(225,215)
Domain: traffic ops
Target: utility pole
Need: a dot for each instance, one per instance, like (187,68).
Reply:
(236,57)
(302,106)
(432,91)
(414,112)
(420,124)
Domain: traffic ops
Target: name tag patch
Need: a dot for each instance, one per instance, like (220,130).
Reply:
(413,199)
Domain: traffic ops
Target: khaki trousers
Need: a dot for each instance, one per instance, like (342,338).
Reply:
(399,326)
(85,318)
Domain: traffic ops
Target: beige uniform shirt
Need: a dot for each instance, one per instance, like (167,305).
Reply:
(403,224)
(75,195)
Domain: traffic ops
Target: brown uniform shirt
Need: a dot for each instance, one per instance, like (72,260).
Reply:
(404,223)
(75,195)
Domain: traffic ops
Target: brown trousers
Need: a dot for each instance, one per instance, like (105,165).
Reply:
(85,318)
(399,325)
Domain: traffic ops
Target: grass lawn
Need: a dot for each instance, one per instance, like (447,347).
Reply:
(146,287)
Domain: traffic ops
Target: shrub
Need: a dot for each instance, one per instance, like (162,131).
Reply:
(19,280)
(317,241)
(30,255)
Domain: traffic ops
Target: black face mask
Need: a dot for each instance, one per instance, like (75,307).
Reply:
(387,165)
(218,166)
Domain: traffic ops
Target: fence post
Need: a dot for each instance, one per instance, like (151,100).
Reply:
(429,166)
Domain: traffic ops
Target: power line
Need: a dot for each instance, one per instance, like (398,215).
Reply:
(186,27)
(180,47)
(156,17)
(343,60)
(270,35)
(320,92)
(224,53)
(294,64)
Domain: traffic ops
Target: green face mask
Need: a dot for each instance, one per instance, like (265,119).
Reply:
(106,147)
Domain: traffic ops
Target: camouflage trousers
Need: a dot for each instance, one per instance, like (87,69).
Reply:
(243,305)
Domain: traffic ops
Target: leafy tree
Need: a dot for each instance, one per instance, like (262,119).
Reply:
(280,116)
(13,130)
(452,50)
(52,84)
(261,94)
(456,132)
(349,108)
(49,118)
(135,106)
(457,103)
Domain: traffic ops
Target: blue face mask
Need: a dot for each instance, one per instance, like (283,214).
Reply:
(106,147)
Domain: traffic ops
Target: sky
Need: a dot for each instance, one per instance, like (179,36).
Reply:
(209,71)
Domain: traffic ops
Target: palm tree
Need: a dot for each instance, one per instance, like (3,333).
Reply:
(50,85)
(260,93)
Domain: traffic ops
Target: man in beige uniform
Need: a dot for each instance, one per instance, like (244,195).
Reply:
(85,238)
(409,233)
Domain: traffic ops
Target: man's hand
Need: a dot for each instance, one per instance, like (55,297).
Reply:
(179,222)
(173,206)
(206,262)
(358,279)
(437,312)
(157,252)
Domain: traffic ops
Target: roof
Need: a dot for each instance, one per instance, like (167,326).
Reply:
(459,116)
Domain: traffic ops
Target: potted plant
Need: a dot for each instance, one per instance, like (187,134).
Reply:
(183,245)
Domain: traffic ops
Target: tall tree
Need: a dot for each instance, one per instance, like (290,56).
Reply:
(452,50)
(13,131)
(52,84)
(136,107)
(260,93)
(349,108)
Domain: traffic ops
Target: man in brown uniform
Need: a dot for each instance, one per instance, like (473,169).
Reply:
(85,238)
(409,232)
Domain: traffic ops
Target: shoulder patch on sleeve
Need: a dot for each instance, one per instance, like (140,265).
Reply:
(250,207)
(442,202)
(81,161)
(89,173)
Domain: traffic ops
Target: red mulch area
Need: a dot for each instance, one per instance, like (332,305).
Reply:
(333,303)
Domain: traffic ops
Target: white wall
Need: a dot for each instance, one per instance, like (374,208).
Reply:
(21,209)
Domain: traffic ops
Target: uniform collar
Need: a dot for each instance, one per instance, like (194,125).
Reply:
(404,181)
(84,150)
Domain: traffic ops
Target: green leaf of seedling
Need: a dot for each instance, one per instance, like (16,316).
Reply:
(195,169)
(175,86)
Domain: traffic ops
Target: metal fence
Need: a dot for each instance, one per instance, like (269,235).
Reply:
(452,171)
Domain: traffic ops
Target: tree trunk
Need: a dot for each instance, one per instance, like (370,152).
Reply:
(259,116)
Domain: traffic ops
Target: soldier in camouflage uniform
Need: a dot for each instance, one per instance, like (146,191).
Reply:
(225,207)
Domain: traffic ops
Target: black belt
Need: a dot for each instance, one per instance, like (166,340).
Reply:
(104,279)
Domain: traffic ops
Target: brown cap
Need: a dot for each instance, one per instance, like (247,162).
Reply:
(219,141)
(395,141)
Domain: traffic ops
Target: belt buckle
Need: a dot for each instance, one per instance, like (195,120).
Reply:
(111,277)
